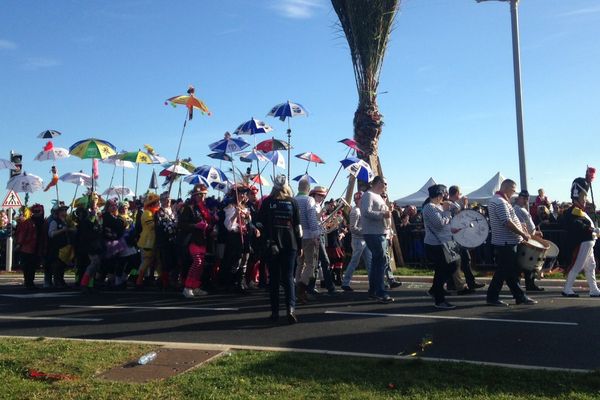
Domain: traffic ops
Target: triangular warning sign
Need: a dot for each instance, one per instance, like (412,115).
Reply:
(12,200)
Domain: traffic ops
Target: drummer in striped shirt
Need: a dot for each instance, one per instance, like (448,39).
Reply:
(521,205)
(507,233)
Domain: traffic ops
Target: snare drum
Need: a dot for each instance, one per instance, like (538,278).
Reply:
(551,255)
(531,255)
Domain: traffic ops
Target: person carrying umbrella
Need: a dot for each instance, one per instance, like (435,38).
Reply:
(59,237)
(166,232)
(147,238)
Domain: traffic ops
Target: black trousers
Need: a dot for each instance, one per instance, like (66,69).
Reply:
(507,271)
(443,271)
(281,272)
(29,263)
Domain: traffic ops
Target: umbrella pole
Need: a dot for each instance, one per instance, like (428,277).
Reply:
(137,173)
(289,135)
(179,149)
(237,197)
(337,173)
(259,177)
(112,176)
(179,192)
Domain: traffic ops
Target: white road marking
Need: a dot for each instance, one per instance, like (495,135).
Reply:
(450,317)
(40,295)
(26,318)
(121,307)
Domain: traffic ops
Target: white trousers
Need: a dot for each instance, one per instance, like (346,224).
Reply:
(584,261)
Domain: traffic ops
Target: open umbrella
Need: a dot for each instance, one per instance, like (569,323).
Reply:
(51,153)
(229,144)
(272,144)
(211,174)
(195,179)
(5,164)
(118,191)
(259,179)
(93,148)
(287,111)
(312,180)
(253,155)
(116,162)
(252,127)
(78,179)
(311,158)
(174,169)
(25,182)
(220,156)
(358,168)
(353,146)
(49,134)
(136,157)
(191,102)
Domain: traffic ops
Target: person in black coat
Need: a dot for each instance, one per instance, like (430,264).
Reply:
(279,224)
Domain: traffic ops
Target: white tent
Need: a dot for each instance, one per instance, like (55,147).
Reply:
(486,192)
(418,197)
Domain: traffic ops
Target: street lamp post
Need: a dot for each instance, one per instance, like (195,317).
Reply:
(518,93)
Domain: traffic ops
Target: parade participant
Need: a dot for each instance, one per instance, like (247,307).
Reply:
(113,229)
(582,238)
(319,193)
(458,202)
(359,246)
(59,237)
(166,233)
(307,261)
(196,223)
(256,273)
(436,219)
(89,246)
(279,222)
(521,205)
(30,239)
(334,249)
(390,281)
(147,240)
(507,233)
(374,212)
(129,257)
(237,246)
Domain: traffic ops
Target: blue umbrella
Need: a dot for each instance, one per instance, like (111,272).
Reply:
(252,127)
(220,156)
(288,110)
(312,180)
(253,155)
(359,168)
(196,179)
(211,174)
(229,144)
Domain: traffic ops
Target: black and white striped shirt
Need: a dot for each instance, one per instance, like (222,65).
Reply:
(500,212)
(437,224)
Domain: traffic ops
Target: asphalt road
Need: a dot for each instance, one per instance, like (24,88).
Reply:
(557,332)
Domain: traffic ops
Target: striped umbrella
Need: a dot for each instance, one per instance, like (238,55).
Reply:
(358,168)
(136,157)
(211,174)
(196,179)
(253,127)
(93,148)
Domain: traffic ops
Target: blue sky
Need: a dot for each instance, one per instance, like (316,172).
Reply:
(104,69)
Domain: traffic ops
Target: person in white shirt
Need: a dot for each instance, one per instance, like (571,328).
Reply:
(359,246)
(520,206)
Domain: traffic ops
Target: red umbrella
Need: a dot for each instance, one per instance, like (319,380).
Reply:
(272,145)
(310,157)
(352,144)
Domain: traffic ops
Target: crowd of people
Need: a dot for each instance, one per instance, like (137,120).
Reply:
(300,242)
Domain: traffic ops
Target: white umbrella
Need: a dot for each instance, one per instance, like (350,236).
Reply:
(77,178)
(25,183)
(5,164)
(55,153)
(175,169)
(119,191)
(118,163)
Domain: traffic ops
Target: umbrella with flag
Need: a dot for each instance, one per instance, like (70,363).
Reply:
(78,179)
(95,149)
(49,134)
(25,182)
(358,168)
(287,111)
(191,102)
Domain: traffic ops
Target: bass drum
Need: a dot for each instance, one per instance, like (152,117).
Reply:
(531,254)
(470,228)
(551,255)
